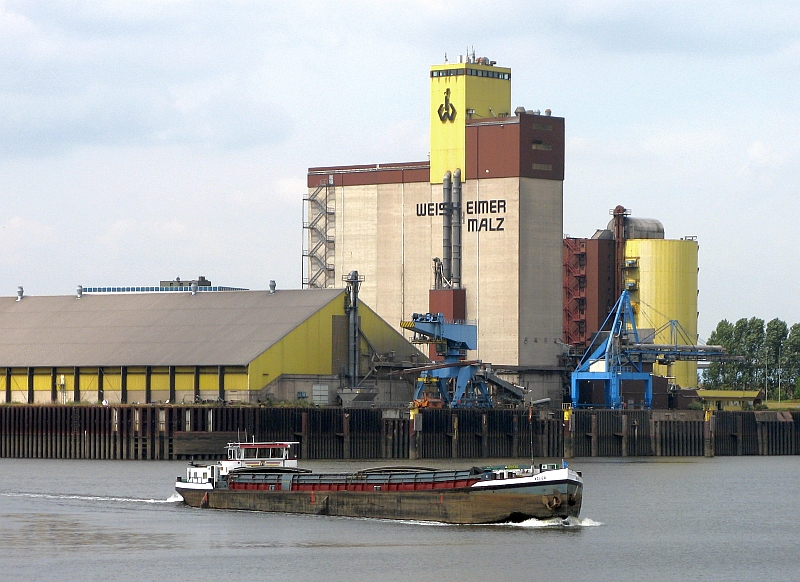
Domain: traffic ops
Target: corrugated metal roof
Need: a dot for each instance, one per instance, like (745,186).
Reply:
(151,329)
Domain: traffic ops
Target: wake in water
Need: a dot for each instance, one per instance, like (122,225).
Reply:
(555,522)
(174,498)
(533,523)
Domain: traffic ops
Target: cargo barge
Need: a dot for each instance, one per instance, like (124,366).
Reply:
(265,477)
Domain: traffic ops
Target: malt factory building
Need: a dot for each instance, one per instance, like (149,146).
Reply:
(474,233)
(182,346)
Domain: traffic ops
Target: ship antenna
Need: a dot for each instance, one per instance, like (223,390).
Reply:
(530,431)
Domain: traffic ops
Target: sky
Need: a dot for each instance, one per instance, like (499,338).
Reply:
(142,141)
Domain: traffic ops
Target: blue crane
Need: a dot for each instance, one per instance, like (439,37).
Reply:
(620,354)
(610,361)
(452,340)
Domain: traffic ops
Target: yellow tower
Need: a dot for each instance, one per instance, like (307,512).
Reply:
(661,276)
(474,89)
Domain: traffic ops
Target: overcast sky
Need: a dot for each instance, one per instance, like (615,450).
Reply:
(141,141)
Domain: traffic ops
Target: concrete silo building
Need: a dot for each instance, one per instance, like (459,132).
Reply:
(475,232)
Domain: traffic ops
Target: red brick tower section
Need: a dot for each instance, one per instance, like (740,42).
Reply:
(575,291)
(589,287)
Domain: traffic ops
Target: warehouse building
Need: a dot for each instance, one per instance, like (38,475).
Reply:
(475,232)
(186,346)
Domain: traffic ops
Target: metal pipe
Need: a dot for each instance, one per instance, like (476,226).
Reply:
(456,229)
(353,281)
(447,251)
(619,213)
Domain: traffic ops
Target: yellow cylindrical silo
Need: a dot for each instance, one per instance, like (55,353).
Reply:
(661,276)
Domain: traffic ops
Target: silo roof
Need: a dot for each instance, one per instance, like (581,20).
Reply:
(151,329)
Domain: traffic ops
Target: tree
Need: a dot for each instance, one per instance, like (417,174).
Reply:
(719,375)
(770,356)
(791,359)
(774,337)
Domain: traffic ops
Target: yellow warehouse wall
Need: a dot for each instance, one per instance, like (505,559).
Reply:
(159,379)
(136,378)
(112,385)
(88,385)
(209,380)
(236,381)
(184,380)
(112,380)
(41,382)
(307,349)
(666,278)
(382,335)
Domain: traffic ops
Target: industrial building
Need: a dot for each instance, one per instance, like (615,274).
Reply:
(475,232)
(186,346)
(660,275)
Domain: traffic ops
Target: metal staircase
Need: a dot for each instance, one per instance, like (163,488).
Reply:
(318,243)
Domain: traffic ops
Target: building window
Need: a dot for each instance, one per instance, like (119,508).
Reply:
(543,167)
(538,145)
(543,126)
(447,73)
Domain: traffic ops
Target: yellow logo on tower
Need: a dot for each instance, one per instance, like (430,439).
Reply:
(447,111)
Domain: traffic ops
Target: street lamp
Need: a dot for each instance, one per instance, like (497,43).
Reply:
(780,369)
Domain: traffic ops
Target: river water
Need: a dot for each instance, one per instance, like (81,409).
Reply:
(655,519)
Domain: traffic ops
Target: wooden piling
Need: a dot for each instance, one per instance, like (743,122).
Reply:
(454,437)
(346,435)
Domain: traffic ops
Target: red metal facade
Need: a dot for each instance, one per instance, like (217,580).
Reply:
(528,146)
(452,303)
(588,287)
(399,173)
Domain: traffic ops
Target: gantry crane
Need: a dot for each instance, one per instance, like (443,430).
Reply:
(619,354)
(456,380)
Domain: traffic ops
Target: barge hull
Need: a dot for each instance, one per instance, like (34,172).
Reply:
(457,506)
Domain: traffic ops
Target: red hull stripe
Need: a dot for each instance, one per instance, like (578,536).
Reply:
(313,487)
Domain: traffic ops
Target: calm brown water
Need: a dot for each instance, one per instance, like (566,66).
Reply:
(704,519)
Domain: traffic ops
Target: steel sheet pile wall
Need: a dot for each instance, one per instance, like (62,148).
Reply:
(489,434)
(324,434)
(200,432)
(735,433)
(776,433)
(611,433)
(396,438)
(680,438)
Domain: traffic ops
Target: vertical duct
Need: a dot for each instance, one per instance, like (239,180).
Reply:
(456,230)
(619,213)
(447,250)
(353,281)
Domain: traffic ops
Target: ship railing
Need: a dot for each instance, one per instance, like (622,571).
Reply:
(434,479)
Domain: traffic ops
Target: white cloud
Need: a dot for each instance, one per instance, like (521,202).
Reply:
(143,140)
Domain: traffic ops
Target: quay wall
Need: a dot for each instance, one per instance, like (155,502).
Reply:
(200,432)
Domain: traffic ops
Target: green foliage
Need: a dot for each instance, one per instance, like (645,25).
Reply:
(771,357)
(696,405)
